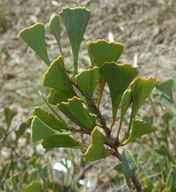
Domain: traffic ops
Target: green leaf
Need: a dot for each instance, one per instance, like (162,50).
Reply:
(57,96)
(40,130)
(118,78)
(166,87)
(141,89)
(75,21)
(75,111)
(9,115)
(96,150)
(148,119)
(164,101)
(56,76)
(49,119)
(139,128)
(21,130)
(167,116)
(34,187)
(102,51)
(126,101)
(34,36)
(56,30)
(87,81)
(164,151)
(128,166)
(65,141)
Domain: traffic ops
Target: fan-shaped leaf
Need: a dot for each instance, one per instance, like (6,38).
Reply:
(141,89)
(56,76)
(40,130)
(57,96)
(65,141)
(56,30)
(75,111)
(102,51)
(139,128)
(34,36)
(118,78)
(87,81)
(96,150)
(75,21)
(49,119)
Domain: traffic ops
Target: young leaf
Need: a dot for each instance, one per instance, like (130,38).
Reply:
(126,101)
(40,130)
(87,81)
(141,88)
(57,96)
(56,30)
(118,78)
(139,128)
(9,115)
(65,141)
(128,165)
(102,51)
(56,76)
(75,21)
(96,150)
(34,36)
(49,119)
(74,110)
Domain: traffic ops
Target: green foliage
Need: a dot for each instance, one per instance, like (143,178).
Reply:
(78,97)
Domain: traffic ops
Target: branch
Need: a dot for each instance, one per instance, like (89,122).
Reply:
(101,118)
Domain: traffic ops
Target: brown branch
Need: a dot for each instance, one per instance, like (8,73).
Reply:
(101,118)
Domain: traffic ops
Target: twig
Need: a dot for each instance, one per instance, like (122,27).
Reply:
(101,118)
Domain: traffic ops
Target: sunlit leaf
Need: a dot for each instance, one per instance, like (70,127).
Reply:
(139,128)
(57,96)
(40,130)
(87,81)
(118,78)
(75,21)
(9,115)
(49,119)
(75,111)
(34,36)
(128,165)
(141,89)
(56,30)
(96,150)
(102,51)
(65,141)
(56,76)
